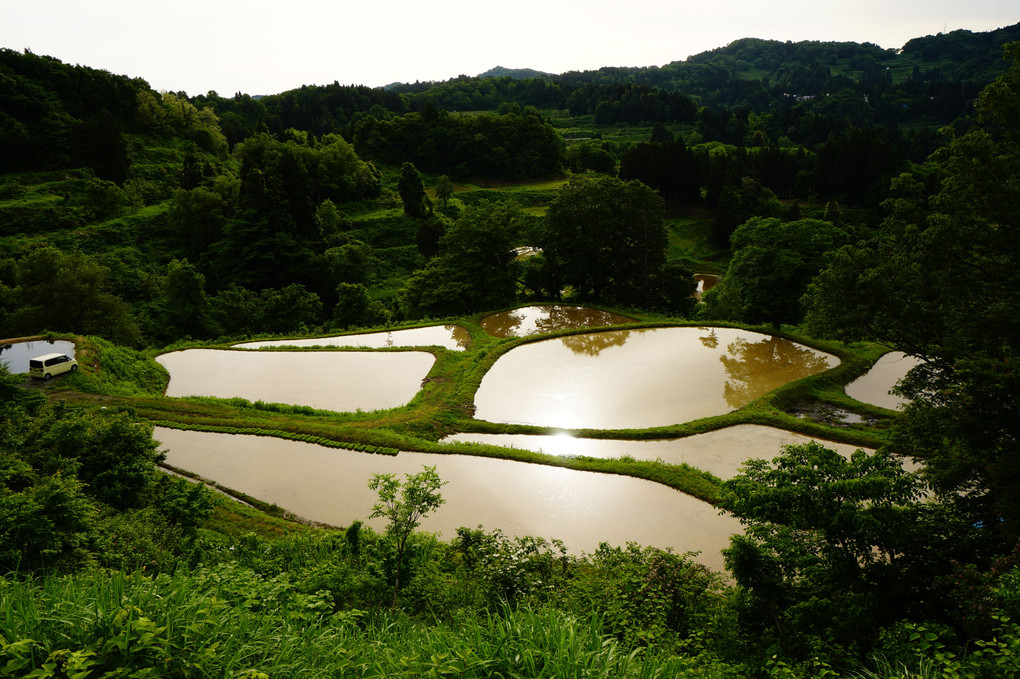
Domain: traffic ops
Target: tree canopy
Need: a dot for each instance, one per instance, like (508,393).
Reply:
(475,268)
(773,264)
(605,239)
(940,281)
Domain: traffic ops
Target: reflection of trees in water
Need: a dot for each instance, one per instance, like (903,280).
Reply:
(460,335)
(563,317)
(547,319)
(505,323)
(711,340)
(592,343)
(754,368)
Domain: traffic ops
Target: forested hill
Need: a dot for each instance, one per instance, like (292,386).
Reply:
(519,73)
(136,223)
(932,80)
(244,198)
(762,73)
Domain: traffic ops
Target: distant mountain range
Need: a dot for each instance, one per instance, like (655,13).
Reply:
(961,49)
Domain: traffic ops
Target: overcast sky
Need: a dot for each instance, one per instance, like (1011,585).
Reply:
(261,47)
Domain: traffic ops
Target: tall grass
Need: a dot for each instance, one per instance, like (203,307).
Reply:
(232,622)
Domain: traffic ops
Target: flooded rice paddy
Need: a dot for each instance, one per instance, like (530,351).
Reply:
(873,386)
(706,282)
(640,378)
(580,508)
(329,380)
(635,378)
(533,320)
(453,337)
(17,354)
(719,452)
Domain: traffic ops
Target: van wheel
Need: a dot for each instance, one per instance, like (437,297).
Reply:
(73,368)
(46,376)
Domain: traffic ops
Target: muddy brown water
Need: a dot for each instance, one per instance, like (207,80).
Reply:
(873,386)
(17,355)
(453,337)
(720,452)
(706,282)
(640,378)
(330,380)
(533,320)
(580,508)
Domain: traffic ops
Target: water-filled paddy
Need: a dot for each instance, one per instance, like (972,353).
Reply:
(873,386)
(533,320)
(706,282)
(720,452)
(640,378)
(330,380)
(580,508)
(453,337)
(16,356)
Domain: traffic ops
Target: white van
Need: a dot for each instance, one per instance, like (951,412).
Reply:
(46,366)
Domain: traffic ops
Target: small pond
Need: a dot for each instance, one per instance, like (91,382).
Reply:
(453,337)
(873,386)
(580,508)
(706,282)
(640,378)
(16,356)
(532,320)
(720,452)
(330,380)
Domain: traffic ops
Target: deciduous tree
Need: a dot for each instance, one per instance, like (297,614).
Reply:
(404,505)
(412,192)
(773,263)
(834,548)
(67,292)
(186,307)
(941,281)
(475,268)
(605,238)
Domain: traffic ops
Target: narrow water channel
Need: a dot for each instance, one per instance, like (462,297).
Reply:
(719,452)
(452,337)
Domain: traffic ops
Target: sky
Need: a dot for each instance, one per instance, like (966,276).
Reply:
(260,47)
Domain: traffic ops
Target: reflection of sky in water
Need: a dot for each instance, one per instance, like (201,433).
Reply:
(720,452)
(331,380)
(580,508)
(705,283)
(639,378)
(533,320)
(453,337)
(17,355)
(873,386)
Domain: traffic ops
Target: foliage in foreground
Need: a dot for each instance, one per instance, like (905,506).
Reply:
(230,622)
(268,610)
(819,578)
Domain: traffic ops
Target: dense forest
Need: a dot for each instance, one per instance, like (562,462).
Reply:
(857,198)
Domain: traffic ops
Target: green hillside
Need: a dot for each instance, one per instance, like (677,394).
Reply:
(853,199)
